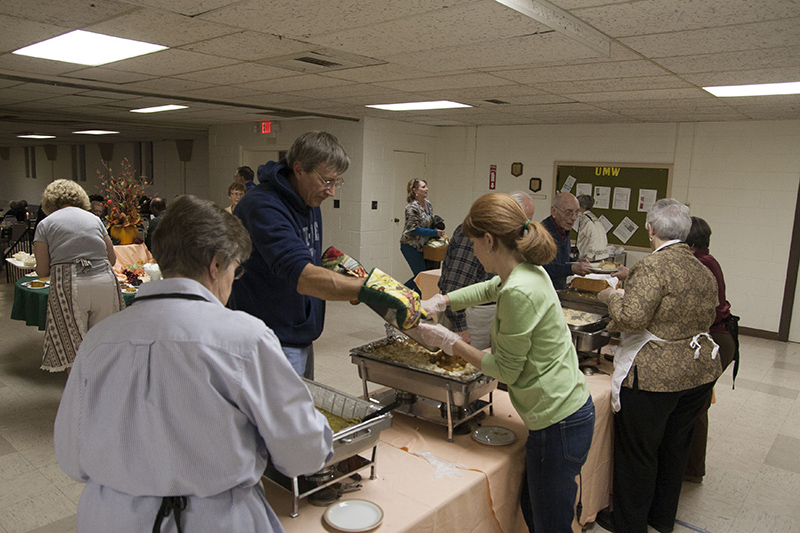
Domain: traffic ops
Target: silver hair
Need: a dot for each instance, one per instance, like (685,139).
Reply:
(523,199)
(586,201)
(669,219)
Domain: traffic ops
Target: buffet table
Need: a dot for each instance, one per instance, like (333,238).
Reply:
(484,499)
(30,305)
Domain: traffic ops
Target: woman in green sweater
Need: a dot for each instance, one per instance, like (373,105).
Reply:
(532,352)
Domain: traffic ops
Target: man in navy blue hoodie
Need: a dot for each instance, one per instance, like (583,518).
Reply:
(284,284)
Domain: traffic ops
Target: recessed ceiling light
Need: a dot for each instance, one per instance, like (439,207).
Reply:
(94,132)
(35,136)
(416,106)
(761,89)
(87,48)
(158,109)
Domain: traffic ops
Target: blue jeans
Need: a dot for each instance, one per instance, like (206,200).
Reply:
(554,457)
(416,261)
(301,359)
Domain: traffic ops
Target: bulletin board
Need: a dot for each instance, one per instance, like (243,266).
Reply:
(622,192)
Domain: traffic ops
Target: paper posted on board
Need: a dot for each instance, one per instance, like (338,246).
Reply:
(568,183)
(625,229)
(622,198)
(647,197)
(602,197)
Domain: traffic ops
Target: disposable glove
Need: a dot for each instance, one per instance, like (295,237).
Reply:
(442,467)
(435,304)
(383,290)
(338,261)
(438,335)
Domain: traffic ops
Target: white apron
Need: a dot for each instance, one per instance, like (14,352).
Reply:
(629,346)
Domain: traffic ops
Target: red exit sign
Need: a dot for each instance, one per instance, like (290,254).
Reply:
(266,127)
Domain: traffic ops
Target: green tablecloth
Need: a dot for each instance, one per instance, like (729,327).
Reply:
(30,305)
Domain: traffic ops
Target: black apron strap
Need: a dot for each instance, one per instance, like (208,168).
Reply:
(165,296)
(170,504)
(732,325)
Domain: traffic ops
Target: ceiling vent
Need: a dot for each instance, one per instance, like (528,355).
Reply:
(321,60)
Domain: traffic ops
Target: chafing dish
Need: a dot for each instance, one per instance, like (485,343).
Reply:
(438,398)
(592,336)
(347,444)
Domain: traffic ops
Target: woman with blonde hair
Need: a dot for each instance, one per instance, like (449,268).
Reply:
(72,246)
(531,351)
(418,228)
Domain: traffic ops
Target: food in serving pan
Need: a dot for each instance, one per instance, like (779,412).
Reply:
(46,278)
(411,353)
(337,423)
(37,284)
(588,284)
(580,318)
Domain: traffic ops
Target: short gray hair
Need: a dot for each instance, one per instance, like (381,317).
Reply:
(191,232)
(586,201)
(669,219)
(524,200)
(318,148)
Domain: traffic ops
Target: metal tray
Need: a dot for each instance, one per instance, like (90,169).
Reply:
(365,351)
(358,437)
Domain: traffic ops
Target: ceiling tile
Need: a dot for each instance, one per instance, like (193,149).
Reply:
(492,20)
(743,77)
(226,92)
(170,62)
(185,7)
(160,27)
(249,46)
(731,61)
(656,94)
(238,74)
(759,35)
(375,73)
(497,54)
(593,71)
(478,79)
(168,85)
(67,15)
(657,16)
(614,84)
(294,83)
(106,75)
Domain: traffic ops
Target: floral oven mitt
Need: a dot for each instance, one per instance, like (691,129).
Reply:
(338,261)
(382,289)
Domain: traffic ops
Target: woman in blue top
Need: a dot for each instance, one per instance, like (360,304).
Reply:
(532,352)
(418,228)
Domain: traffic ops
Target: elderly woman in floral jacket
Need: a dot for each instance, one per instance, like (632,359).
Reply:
(664,372)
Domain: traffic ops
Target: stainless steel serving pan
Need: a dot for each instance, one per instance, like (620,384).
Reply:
(463,389)
(358,437)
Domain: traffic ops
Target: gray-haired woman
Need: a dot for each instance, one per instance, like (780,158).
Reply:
(73,247)
(175,405)
(664,371)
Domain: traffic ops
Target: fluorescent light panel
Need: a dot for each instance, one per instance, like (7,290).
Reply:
(95,132)
(35,136)
(761,89)
(87,48)
(417,106)
(158,109)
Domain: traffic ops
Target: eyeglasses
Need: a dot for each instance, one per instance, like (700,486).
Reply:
(239,272)
(568,212)
(328,184)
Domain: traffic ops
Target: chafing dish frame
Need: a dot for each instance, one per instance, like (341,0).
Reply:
(587,338)
(347,443)
(452,391)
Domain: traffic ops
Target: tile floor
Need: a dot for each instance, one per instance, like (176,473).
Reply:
(752,484)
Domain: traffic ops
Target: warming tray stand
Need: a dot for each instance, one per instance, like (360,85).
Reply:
(348,444)
(425,395)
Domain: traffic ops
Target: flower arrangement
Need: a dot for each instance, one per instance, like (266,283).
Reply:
(122,194)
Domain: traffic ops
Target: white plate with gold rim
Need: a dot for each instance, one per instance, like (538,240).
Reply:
(353,516)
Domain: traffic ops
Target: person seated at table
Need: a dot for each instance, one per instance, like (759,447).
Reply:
(235,192)
(532,352)
(176,405)
(98,206)
(72,246)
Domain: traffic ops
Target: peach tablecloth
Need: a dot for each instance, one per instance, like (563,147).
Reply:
(483,500)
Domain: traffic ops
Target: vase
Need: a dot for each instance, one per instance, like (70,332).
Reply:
(124,234)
